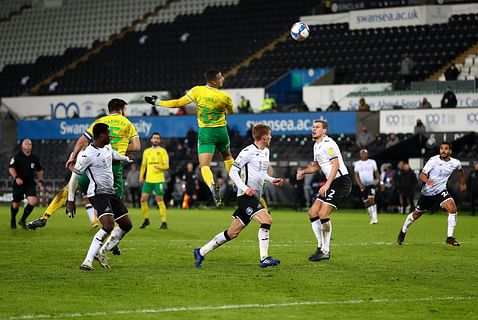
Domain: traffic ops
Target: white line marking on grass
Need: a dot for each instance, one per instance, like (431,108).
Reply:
(233,306)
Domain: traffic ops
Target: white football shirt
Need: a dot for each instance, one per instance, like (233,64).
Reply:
(439,171)
(365,170)
(253,164)
(97,163)
(326,150)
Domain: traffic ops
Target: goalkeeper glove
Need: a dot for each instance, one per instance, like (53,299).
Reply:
(151,100)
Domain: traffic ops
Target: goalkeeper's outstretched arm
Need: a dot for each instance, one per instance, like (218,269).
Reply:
(174,103)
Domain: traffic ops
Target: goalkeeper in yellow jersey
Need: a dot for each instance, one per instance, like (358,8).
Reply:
(155,162)
(212,106)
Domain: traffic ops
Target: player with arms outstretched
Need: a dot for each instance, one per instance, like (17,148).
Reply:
(212,107)
(434,176)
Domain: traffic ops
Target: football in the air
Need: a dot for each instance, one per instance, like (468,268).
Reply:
(299,31)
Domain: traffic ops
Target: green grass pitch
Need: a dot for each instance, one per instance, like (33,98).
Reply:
(368,276)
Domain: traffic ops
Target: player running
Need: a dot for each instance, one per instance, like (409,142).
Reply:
(248,173)
(435,176)
(366,175)
(96,161)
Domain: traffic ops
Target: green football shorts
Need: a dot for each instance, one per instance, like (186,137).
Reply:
(210,139)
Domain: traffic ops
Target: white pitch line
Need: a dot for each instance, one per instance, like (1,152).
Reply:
(227,307)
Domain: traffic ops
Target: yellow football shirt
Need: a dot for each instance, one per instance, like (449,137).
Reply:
(155,162)
(121,131)
(212,105)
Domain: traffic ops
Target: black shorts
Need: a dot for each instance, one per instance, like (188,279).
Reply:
(338,191)
(369,192)
(426,203)
(26,189)
(108,204)
(248,207)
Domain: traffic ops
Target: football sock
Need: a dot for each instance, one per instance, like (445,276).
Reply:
(327,232)
(163,212)
(58,201)
(145,209)
(451,223)
(13,212)
(370,212)
(116,235)
(263,236)
(217,241)
(228,164)
(91,213)
(95,246)
(374,212)
(408,222)
(27,211)
(207,176)
(317,229)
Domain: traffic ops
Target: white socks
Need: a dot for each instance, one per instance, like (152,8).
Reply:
(91,213)
(317,228)
(372,213)
(95,246)
(408,222)
(116,235)
(217,241)
(327,233)
(263,236)
(451,223)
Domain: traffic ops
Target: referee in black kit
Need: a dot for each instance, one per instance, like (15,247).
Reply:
(22,169)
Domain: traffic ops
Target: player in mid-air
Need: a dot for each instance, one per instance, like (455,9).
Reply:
(125,139)
(328,158)
(248,173)
(96,161)
(212,107)
(153,165)
(366,175)
(434,176)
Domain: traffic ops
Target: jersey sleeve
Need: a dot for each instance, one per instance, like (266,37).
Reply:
(332,150)
(132,131)
(13,163)
(458,165)
(82,163)
(428,167)
(38,166)
(356,167)
(165,157)
(229,105)
(89,132)
(243,158)
(192,94)
(375,168)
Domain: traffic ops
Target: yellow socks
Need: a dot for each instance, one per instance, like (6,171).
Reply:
(145,209)
(228,164)
(207,176)
(58,201)
(163,212)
